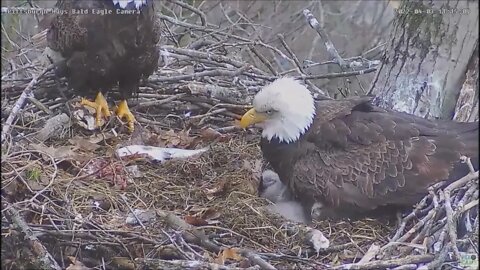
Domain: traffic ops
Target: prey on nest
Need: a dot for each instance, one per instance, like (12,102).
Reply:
(100,52)
(352,157)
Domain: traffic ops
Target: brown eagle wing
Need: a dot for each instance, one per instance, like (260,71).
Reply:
(67,32)
(360,155)
(103,50)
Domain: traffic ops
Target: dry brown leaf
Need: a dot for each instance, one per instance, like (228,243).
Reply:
(76,265)
(195,221)
(209,214)
(155,140)
(210,134)
(219,189)
(226,254)
(205,214)
(181,139)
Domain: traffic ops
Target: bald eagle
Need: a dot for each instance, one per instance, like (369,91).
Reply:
(353,157)
(103,44)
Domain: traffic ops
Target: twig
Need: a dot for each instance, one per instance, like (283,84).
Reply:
(44,258)
(264,60)
(17,70)
(294,57)
(413,259)
(21,101)
(406,267)
(299,67)
(185,255)
(451,224)
(157,264)
(256,259)
(469,163)
(210,113)
(409,217)
(338,74)
(124,199)
(39,105)
(440,259)
(468,206)
(184,5)
(159,102)
(313,22)
(198,75)
(192,234)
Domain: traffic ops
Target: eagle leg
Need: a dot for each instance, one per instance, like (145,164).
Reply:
(123,112)
(100,105)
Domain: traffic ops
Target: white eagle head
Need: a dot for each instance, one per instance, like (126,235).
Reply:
(284,109)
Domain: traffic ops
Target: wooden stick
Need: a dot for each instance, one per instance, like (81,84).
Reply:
(21,101)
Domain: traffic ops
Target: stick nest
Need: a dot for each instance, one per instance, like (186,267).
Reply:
(78,205)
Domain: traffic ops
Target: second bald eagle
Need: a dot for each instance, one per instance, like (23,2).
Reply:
(101,51)
(351,156)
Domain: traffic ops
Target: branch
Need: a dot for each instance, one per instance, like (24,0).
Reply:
(202,16)
(414,259)
(44,259)
(194,235)
(21,101)
(183,264)
(313,22)
(339,74)
(207,73)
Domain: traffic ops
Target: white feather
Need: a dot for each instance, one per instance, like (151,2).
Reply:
(294,108)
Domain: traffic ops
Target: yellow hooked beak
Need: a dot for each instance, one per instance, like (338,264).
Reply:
(252,117)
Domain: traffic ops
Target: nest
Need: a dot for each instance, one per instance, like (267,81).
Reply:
(78,205)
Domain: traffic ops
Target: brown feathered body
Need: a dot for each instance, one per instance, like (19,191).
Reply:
(103,51)
(357,157)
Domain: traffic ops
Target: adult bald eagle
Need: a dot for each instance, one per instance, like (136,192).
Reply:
(351,156)
(105,43)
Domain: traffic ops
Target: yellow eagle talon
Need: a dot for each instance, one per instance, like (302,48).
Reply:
(123,112)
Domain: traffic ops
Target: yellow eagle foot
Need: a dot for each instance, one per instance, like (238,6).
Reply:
(123,112)
(100,105)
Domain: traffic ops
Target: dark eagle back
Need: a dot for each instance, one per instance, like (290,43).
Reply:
(104,44)
(358,157)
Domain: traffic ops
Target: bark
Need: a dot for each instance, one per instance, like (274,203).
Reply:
(427,57)
(466,109)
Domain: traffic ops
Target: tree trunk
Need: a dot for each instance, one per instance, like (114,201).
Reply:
(427,57)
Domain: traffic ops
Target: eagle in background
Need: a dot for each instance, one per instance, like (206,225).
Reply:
(100,51)
(352,157)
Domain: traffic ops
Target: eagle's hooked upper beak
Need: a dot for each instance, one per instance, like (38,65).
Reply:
(252,117)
